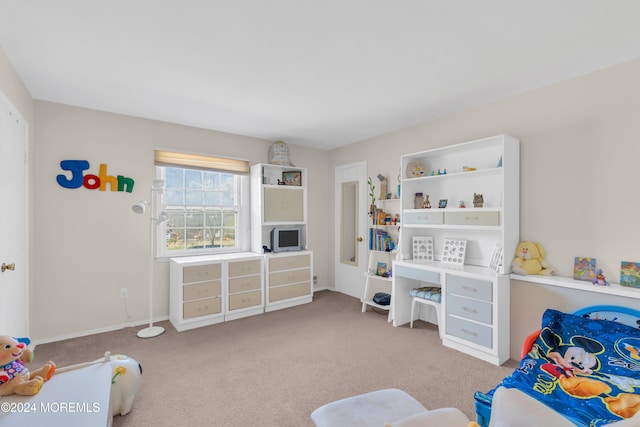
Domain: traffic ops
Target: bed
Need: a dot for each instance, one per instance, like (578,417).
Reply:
(583,366)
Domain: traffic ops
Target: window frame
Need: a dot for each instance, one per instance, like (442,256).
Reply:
(243,217)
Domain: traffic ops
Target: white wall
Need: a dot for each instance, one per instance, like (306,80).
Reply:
(580,149)
(90,244)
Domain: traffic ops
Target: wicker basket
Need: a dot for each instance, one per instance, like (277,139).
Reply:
(279,154)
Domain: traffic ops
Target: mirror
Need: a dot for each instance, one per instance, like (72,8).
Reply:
(349,223)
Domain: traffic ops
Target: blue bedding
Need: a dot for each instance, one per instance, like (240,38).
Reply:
(587,369)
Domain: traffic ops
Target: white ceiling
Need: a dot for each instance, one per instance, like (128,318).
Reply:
(322,73)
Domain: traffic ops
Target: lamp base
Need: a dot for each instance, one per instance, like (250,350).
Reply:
(150,332)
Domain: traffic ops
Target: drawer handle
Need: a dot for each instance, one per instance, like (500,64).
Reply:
(468,332)
(469,288)
(469,310)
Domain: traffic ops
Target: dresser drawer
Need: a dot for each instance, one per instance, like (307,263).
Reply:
(201,273)
(289,262)
(245,268)
(241,284)
(480,311)
(202,307)
(291,276)
(246,299)
(201,290)
(469,331)
(291,291)
(468,287)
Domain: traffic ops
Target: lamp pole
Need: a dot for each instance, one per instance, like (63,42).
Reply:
(152,331)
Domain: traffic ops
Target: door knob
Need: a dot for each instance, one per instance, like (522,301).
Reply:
(6,267)
(359,239)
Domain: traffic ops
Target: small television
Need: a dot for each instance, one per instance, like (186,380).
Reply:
(286,239)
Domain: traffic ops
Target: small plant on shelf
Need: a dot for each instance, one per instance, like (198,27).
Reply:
(372,207)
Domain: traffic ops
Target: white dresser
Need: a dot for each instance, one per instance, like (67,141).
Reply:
(213,288)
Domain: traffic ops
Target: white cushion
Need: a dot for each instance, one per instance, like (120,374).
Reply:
(367,410)
(450,417)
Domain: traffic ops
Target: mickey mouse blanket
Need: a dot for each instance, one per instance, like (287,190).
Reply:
(586,369)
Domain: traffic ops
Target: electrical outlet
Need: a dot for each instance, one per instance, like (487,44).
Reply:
(124,293)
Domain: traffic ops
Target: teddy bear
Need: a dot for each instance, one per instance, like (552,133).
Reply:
(529,259)
(15,378)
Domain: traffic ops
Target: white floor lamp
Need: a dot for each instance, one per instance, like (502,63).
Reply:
(139,208)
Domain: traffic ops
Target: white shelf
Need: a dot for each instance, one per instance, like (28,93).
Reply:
(453,175)
(581,285)
(375,276)
(373,304)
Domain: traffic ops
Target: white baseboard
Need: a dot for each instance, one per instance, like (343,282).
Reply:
(95,331)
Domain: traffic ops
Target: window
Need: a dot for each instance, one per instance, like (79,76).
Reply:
(207,208)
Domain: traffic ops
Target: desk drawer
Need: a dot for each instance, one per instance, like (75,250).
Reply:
(472,218)
(245,268)
(470,288)
(425,216)
(201,290)
(471,309)
(416,274)
(291,276)
(247,299)
(201,273)
(241,284)
(201,307)
(469,331)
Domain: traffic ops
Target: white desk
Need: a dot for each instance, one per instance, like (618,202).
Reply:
(475,305)
(76,397)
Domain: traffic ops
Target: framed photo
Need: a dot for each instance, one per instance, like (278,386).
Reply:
(382,269)
(584,268)
(496,258)
(454,251)
(442,203)
(423,248)
(630,274)
(292,178)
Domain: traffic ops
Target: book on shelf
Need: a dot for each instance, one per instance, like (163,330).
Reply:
(380,240)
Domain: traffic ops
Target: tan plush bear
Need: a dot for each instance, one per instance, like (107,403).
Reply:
(529,259)
(15,378)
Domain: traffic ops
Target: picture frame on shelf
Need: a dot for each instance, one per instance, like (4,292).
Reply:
(584,268)
(630,274)
(442,203)
(497,258)
(381,269)
(292,178)
(422,248)
(454,251)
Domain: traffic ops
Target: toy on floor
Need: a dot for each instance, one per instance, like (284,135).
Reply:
(529,259)
(15,378)
(126,379)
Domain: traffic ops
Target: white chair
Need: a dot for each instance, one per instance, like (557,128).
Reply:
(428,295)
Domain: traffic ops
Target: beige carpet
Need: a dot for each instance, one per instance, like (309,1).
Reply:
(276,368)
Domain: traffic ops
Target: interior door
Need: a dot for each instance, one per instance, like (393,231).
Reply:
(14,289)
(350,221)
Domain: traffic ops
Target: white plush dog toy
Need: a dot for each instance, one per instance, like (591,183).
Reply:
(126,377)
